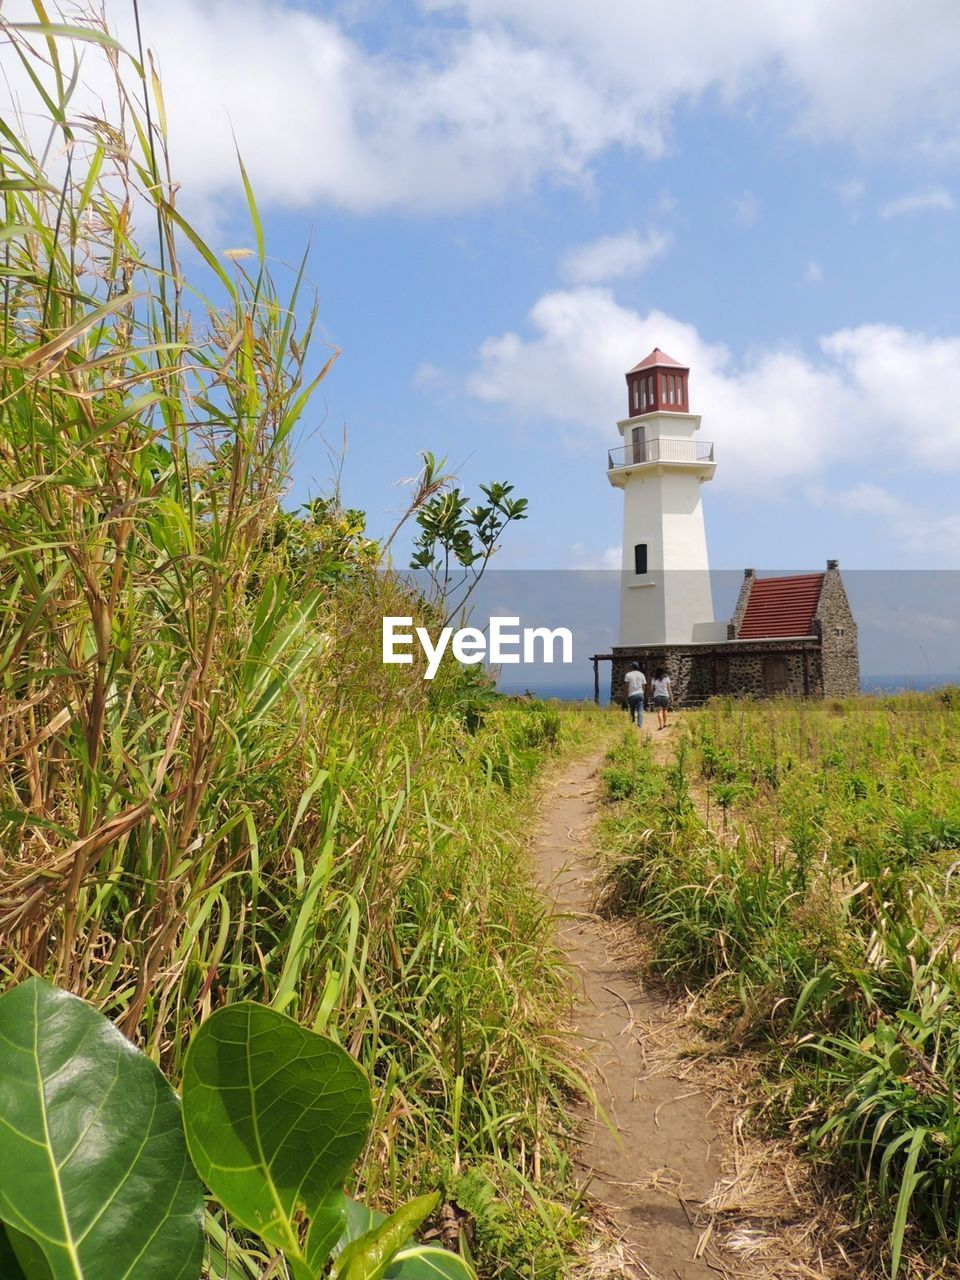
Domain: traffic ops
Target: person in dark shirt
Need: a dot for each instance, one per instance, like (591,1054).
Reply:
(662,696)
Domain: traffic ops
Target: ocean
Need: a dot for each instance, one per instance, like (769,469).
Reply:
(581,691)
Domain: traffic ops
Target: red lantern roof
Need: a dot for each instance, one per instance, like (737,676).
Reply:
(658,359)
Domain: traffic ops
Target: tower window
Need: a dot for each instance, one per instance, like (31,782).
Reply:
(650,390)
(640,558)
(636,395)
(838,631)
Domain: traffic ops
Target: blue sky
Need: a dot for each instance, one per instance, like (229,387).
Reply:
(511,202)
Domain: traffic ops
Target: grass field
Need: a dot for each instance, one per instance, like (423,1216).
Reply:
(797,863)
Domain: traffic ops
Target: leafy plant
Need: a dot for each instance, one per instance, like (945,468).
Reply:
(275,1117)
(93,1165)
(456,541)
(95,1180)
(321,543)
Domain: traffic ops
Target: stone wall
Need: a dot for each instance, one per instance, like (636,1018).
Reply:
(838,637)
(733,626)
(742,668)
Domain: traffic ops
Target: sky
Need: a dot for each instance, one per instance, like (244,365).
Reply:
(510,202)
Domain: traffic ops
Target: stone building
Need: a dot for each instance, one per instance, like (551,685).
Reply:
(788,635)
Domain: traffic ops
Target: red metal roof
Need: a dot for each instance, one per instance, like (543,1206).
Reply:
(657,359)
(781,607)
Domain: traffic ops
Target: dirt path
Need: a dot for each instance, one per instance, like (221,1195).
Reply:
(663,1160)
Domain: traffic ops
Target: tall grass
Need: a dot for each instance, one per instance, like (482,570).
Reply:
(142,463)
(811,894)
(210,788)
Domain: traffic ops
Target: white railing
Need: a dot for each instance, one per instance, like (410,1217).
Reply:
(663,449)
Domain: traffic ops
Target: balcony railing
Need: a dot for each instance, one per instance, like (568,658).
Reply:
(663,449)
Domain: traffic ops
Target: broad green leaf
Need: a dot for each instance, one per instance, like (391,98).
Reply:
(368,1257)
(428,1262)
(275,1116)
(93,1165)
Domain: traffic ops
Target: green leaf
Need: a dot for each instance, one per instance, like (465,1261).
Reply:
(69,32)
(360,1218)
(10,1267)
(909,1182)
(67,337)
(275,1116)
(412,1261)
(368,1257)
(429,1262)
(93,1165)
(254,211)
(225,1259)
(200,245)
(897,1061)
(304,928)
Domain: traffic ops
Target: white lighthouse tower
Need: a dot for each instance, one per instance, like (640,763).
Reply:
(665,594)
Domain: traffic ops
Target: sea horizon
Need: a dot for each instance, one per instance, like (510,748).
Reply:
(582,691)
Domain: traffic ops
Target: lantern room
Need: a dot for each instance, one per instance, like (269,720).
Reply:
(657,384)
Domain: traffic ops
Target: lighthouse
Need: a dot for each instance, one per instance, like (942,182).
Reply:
(789,635)
(665,596)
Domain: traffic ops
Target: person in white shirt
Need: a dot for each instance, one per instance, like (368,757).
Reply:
(635,683)
(662,696)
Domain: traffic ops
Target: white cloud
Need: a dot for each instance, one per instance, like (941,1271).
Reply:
(613,257)
(873,394)
(934,199)
(918,528)
(907,387)
(473,116)
(840,65)
(486,99)
(860,499)
(746,210)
